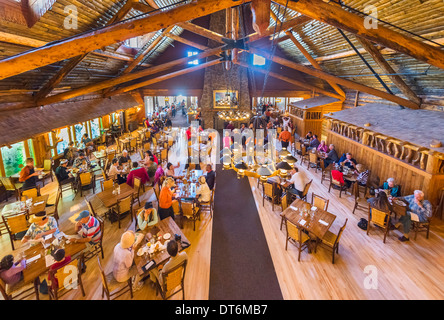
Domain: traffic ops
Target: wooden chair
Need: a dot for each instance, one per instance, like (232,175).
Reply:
(96,206)
(156,189)
(331,241)
(191,212)
(154,141)
(137,186)
(319,202)
(313,159)
(11,186)
(305,192)
(52,210)
(171,280)
(357,198)
(110,156)
(15,224)
(325,171)
(47,170)
(106,184)
(342,186)
(304,154)
(284,205)
(20,290)
(299,238)
(65,186)
(209,204)
(298,147)
(133,145)
(146,147)
(379,218)
(164,155)
(98,247)
(147,135)
(86,180)
(29,193)
(62,275)
(111,287)
(421,227)
(367,185)
(268,192)
(124,205)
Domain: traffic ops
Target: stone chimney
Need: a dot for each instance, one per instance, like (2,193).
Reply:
(217,78)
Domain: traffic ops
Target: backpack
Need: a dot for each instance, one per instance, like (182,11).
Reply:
(363,224)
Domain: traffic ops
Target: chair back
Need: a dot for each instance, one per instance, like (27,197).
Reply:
(63,273)
(147,134)
(125,204)
(157,136)
(170,142)
(47,164)
(284,202)
(105,176)
(340,232)
(319,202)
(154,140)
(268,189)
(306,188)
(156,189)
(107,184)
(303,150)
(313,157)
(29,193)
(111,155)
(15,223)
(188,208)
(164,154)
(85,178)
(3,290)
(7,183)
(378,217)
(146,146)
(101,148)
(103,277)
(133,143)
(292,231)
(137,183)
(174,277)
(297,145)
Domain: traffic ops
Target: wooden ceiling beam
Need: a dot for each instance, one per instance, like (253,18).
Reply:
(327,76)
(334,15)
(387,68)
(118,32)
(125,78)
(187,42)
(73,62)
(292,81)
(260,10)
(187,25)
(164,77)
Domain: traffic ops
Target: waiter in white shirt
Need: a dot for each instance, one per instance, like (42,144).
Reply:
(298,181)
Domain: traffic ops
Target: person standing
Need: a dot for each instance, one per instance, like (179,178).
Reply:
(166,199)
(285,138)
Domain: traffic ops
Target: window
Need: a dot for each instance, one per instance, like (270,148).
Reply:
(258,60)
(190,54)
(13,157)
(64,135)
(95,128)
(31,148)
(80,130)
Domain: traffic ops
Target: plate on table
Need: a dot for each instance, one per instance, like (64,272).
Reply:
(141,251)
(166,236)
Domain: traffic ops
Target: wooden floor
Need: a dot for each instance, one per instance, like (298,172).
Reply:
(411,270)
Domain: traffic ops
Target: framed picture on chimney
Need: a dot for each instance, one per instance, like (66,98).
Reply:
(223,99)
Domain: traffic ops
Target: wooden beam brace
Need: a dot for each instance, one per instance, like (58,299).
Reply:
(261,15)
(165,77)
(387,68)
(327,76)
(96,39)
(201,31)
(187,42)
(334,15)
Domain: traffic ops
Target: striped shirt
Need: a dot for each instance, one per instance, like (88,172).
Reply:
(91,229)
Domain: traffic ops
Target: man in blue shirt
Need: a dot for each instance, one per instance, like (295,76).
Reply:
(419,210)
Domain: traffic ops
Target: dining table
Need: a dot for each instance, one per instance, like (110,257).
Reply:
(109,199)
(35,256)
(314,220)
(33,206)
(147,257)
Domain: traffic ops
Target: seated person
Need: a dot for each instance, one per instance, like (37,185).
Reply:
(62,174)
(314,143)
(151,168)
(175,259)
(203,192)
(210,176)
(41,226)
(394,190)
(11,272)
(348,161)
(422,209)
(170,172)
(81,160)
(159,173)
(332,156)
(322,147)
(298,181)
(125,159)
(28,175)
(147,217)
(309,135)
(138,172)
(380,202)
(88,228)
(363,174)
(60,261)
(338,176)
(89,144)
(114,172)
(70,152)
(150,154)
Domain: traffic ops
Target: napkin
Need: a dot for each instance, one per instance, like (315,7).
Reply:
(49,236)
(294,208)
(33,258)
(314,208)
(302,222)
(323,222)
(37,203)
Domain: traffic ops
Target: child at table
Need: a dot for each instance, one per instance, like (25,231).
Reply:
(11,273)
